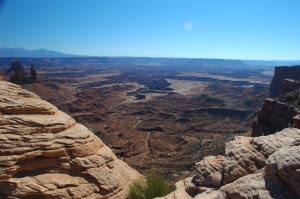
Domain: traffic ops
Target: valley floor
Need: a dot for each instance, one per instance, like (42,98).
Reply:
(156,120)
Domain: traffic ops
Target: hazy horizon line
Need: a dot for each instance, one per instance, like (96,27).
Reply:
(133,56)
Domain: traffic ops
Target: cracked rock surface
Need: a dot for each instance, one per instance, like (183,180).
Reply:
(262,167)
(44,153)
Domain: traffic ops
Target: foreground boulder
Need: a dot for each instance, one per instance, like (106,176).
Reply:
(44,153)
(262,167)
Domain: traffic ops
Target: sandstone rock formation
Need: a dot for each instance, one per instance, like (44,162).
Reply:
(279,113)
(33,75)
(19,75)
(44,153)
(281,73)
(262,167)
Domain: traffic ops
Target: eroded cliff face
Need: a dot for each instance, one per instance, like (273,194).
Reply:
(262,167)
(289,85)
(44,153)
(274,116)
(18,74)
(280,111)
(281,73)
(256,167)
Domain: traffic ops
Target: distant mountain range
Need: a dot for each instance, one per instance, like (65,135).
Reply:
(45,53)
(271,62)
(22,52)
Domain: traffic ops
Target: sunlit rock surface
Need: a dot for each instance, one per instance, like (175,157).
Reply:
(44,153)
(262,167)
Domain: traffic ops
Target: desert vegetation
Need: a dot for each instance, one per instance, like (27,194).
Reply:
(153,186)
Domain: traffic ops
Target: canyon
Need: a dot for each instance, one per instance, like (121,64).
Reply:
(46,154)
(263,166)
(158,115)
(157,99)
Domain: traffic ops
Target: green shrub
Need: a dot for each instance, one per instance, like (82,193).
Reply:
(153,186)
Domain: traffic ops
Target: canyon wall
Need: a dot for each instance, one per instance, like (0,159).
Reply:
(288,85)
(273,116)
(281,73)
(44,153)
(279,112)
(256,167)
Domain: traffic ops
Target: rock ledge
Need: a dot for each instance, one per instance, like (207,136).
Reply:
(261,167)
(44,153)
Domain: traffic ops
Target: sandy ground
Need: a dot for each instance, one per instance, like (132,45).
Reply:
(250,79)
(148,96)
(185,87)
(268,72)
(91,78)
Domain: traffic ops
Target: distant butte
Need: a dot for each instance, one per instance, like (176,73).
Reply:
(19,75)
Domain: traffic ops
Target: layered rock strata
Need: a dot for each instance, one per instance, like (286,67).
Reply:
(289,85)
(273,116)
(281,73)
(44,153)
(262,167)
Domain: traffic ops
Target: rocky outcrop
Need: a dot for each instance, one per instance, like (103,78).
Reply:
(289,85)
(44,153)
(297,121)
(262,167)
(279,113)
(281,73)
(33,75)
(19,76)
(273,116)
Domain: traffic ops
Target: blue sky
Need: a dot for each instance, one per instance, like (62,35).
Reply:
(240,29)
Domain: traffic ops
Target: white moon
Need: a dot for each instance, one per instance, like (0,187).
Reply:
(188,26)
